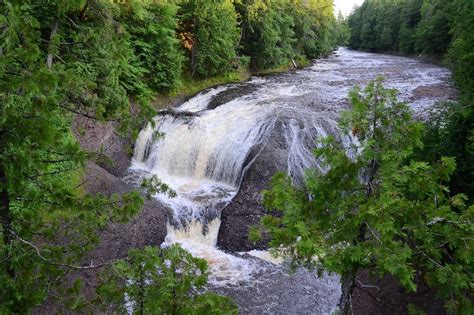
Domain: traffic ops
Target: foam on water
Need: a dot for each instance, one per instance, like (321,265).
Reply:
(225,268)
(204,156)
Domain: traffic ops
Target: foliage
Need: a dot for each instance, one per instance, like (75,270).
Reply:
(270,41)
(277,31)
(407,25)
(410,17)
(214,32)
(152,26)
(216,37)
(433,33)
(167,281)
(461,52)
(378,208)
(55,62)
(342,31)
(450,131)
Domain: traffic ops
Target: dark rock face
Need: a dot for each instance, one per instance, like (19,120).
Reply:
(373,295)
(231,94)
(103,177)
(246,209)
(176,114)
(103,137)
(147,228)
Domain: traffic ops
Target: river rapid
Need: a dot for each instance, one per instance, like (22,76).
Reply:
(212,142)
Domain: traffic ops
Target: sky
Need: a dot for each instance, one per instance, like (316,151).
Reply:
(346,5)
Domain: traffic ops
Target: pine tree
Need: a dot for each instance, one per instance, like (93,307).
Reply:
(162,281)
(49,71)
(214,35)
(377,208)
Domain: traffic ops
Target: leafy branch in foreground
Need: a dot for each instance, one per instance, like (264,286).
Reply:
(380,210)
(161,281)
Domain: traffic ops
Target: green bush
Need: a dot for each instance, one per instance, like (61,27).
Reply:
(162,281)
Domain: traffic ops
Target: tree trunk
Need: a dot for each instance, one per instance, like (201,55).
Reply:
(6,219)
(49,58)
(141,303)
(345,303)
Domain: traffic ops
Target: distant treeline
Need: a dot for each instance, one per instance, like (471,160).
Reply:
(433,27)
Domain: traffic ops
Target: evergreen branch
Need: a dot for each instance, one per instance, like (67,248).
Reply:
(428,257)
(75,111)
(48,261)
(52,173)
(362,285)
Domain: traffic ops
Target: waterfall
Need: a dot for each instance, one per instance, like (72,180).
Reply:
(203,157)
(203,151)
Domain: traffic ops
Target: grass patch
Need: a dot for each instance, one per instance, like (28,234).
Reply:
(301,62)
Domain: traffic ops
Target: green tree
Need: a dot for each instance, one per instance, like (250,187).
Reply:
(269,37)
(215,35)
(461,52)
(388,26)
(58,59)
(377,208)
(152,26)
(410,16)
(433,33)
(343,32)
(450,130)
(166,281)
(322,28)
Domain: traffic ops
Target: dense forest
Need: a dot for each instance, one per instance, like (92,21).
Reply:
(403,206)
(412,213)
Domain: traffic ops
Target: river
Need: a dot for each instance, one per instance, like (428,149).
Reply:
(214,140)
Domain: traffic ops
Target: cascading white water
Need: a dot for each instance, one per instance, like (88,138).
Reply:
(203,157)
(204,152)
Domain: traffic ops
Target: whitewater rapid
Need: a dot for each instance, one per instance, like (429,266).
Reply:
(203,148)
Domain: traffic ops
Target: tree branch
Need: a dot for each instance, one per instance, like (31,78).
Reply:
(48,261)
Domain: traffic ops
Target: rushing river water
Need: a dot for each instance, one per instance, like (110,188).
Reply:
(212,139)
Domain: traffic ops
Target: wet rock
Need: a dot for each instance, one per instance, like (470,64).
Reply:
(176,114)
(231,94)
(246,209)
(435,91)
